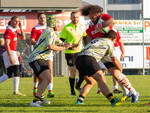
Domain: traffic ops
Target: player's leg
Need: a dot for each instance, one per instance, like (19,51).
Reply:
(90,82)
(7,64)
(104,69)
(35,84)
(50,85)
(44,79)
(16,80)
(115,86)
(72,70)
(79,82)
(101,80)
(41,69)
(110,66)
(71,58)
(88,65)
(5,77)
(123,80)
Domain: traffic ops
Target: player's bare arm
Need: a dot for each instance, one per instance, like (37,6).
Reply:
(21,34)
(108,22)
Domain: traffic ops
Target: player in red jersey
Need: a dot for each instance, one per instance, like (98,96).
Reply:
(13,31)
(99,21)
(101,24)
(35,34)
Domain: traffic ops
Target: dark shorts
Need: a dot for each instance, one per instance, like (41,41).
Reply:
(109,65)
(39,66)
(71,59)
(87,65)
(13,71)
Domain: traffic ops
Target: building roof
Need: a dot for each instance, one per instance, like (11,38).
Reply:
(41,4)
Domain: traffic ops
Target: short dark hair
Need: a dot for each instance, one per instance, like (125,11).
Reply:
(112,34)
(39,14)
(85,11)
(14,17)
(74,12)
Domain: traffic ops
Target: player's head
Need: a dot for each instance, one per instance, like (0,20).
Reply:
(92,11)
(52,22)
(75,17)
(112,35)
(14,22)
(41,18)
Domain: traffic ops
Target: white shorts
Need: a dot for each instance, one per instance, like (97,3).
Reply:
(7,60)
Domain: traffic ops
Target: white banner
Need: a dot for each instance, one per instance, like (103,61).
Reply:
(146,8)
(133,57)
(131,31)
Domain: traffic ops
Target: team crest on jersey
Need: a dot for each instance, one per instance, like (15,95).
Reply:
(15,39)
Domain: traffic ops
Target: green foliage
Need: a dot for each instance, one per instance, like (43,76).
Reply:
(63,102)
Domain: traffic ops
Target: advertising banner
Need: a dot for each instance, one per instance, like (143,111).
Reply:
(29,20)
(131,31)
(133,57)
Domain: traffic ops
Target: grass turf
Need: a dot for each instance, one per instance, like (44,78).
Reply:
(63,102)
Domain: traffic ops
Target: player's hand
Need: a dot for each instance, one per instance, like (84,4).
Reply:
(98,27)
(74,46)
(122,56)
(20,25)
(68,45)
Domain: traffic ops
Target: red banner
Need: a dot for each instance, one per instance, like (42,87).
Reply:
(29,19)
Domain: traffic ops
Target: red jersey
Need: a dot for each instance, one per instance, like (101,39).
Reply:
(92,32)
(11,33)
(37,31)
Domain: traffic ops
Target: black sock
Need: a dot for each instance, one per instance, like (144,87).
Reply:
(72,81)
(110,97)
(36,98)
(81,98)
(78,85)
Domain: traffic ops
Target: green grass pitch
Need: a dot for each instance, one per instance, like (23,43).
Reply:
(63,102)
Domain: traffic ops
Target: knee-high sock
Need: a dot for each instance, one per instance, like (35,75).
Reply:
(72,81)
(16,83)
(35,85)
(3,78)
(50,87)
(124,89)
(123,80)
